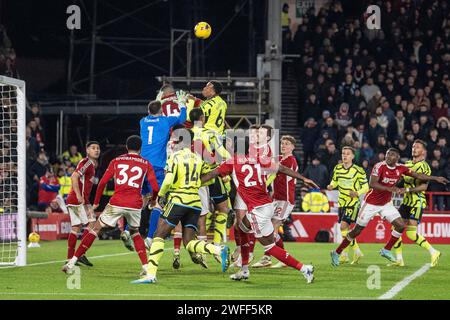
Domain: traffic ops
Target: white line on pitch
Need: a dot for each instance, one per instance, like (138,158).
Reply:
(170,295)
(402,284)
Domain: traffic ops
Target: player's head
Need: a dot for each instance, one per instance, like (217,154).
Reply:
(154,107)
(134,144)
(167,89)
(419,149)
(212,88)
(253,133)
(196,115)
(392,156)
(182,138)
(265,134)
(348,154)
(287,145)
(93,149)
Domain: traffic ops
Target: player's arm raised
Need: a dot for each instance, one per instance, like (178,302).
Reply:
(109,173)
(425,177)
(296,175)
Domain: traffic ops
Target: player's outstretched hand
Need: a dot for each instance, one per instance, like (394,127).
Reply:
(441,180)
(353,194)
(80,199)
(311,183)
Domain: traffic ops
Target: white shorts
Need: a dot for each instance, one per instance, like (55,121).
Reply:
(239,204)
(79,215)
(111,216)
(261,220)
(368,211)
(203,192)
(282,209)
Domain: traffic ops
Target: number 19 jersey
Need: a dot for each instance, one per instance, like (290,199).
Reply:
(249,178)
(128,171)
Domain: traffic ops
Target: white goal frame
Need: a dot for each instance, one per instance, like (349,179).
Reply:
(21,258)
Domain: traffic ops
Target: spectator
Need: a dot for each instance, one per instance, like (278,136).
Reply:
(343,118)
(382,145)
(443,126)
(432,140)
(373,131)
(440,110)
(64,181)
(438,200)
(382,119)
(405,151)
(396,128)
(369,89)
(309,135)
(437,155)
(311,108)
(37,170)
(317,172)
(48,189)
(443,146)
(72,155)
(330,156)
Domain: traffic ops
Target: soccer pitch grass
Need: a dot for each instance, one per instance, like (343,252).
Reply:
(114,268)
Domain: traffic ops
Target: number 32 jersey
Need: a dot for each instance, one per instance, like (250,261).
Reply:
(128,171)
(249,176)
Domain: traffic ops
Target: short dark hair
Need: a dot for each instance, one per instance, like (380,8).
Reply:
(90,143)
(217,86)
(269,130)
(423,143)
(393,150)
(349,148)
(195,114)
(289,138)
(154,107)
(134,143)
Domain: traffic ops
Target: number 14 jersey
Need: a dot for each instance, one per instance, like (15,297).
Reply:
(128,171)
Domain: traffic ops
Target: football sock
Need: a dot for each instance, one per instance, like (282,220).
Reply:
(200,246)
(394,238)
(139,246)
(208,221)
(245,247)
(156,252)
(237,237)
(71,244)
(344,244)
(177,237)
(251,241)
(411,233)
(154,218)
(344,235)
(282,255)
(220,227)
(279,241)
(398,247)
(85,232)
(85,244)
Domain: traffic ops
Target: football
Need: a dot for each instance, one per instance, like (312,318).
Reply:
(34,237)
(202,30)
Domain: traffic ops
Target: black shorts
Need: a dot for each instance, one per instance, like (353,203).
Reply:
(217,191)
(410,213)
(188,216)
(348,214)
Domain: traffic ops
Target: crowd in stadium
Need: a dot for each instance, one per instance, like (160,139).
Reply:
(373,89)
(7,55)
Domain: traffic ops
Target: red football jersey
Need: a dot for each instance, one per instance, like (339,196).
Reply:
(129,171)
(388,177)
(47,196)
(170,105)
(249,179)
(86,170)
(283,185)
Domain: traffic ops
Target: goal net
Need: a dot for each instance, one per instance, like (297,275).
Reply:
(12,172)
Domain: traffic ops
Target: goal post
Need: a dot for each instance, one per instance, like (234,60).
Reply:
(13,221)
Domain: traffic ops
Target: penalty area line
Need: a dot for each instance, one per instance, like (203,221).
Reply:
(402,284)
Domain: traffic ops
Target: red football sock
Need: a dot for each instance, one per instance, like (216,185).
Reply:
(283,256)
(85,232)
(251,241)
(394,238)
(245,247)
(85,244)
(237,233)
(139,245)
(279,241)
(71,244)
(344,244)
(177,237)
